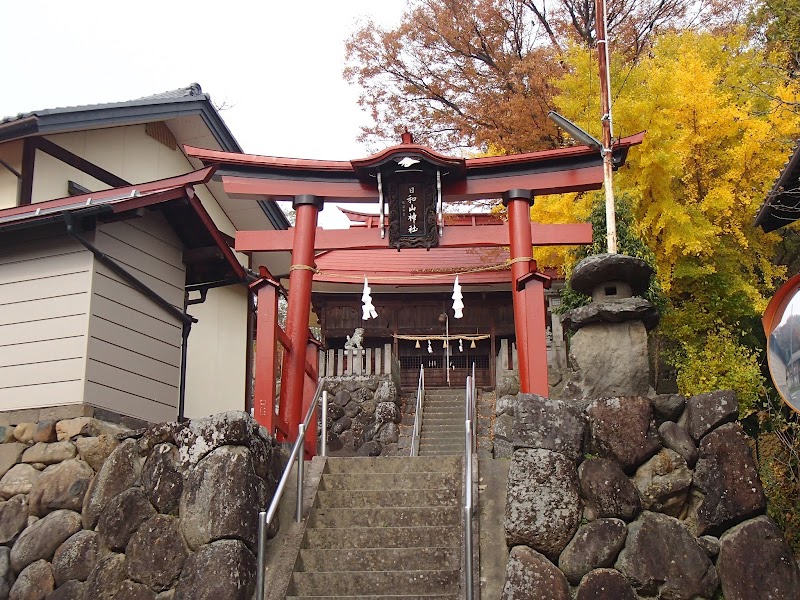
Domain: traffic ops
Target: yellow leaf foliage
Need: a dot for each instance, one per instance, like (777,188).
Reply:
(720,123)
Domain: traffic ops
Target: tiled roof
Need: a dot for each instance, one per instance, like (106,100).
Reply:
(782,205)
(191,91)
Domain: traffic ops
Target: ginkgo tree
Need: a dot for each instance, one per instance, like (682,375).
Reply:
(719,124)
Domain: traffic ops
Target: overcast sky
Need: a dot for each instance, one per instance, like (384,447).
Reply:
(276,65)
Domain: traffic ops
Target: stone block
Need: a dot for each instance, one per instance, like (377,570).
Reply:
(595,545)
(19,479)
(218,497)
(10,454)
(35,582)
(727,475)
(530,576)
(24,432)
(755,562)
(49,453)
(68,429)
(662,559)
(13,517)
(608,359)
(222,569)
(622,429)
(543,507)
(62,485)
(42,539)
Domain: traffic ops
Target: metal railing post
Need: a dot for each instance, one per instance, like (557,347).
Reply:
(265,518)
(262,554)
(300,468)
(468,508)
(324,444)
(418,412)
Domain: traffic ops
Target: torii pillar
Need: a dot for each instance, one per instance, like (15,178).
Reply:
(301,275)
(528,296)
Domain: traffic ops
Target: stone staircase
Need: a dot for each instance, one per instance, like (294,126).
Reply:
(443,418)
(383,528)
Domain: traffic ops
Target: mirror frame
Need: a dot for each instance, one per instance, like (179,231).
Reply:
(771,319)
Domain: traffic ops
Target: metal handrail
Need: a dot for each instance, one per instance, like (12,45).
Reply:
(469,444)
(474,416)
(265,517)
(418,412)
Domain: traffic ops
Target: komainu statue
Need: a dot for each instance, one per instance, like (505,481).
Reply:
(354,342)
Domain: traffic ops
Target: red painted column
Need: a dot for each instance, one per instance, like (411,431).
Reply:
(519,203)
(309,389)
(266,355)
(536,325)
(307,208)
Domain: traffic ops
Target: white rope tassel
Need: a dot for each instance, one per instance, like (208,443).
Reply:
(368,310)
(458,300)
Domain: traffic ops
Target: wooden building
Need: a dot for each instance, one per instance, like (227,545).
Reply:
(412,292)
(49,284)
(92,293)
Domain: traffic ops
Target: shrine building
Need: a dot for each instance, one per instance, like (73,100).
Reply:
(412,292)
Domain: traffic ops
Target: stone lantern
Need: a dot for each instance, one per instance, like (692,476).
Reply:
(608,350)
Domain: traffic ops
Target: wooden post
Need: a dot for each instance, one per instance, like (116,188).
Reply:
(309,387)
(300,278)
(535,325)
(519,223)
(387,359)
(266,356)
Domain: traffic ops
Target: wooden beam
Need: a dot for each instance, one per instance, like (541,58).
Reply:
(28,163)
(474,188)
(196,255)
(251,188)
(79,163)
(567,234)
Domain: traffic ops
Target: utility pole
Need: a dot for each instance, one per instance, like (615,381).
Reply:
(605,103)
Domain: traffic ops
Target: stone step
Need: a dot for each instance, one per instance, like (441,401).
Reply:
(458,439)
(380,464)
(381,537)
(449,429)
(383,597)
(386,481)
(344,583)
(455,417)
(441,450)
(430,400)
(443,420)
(442,407)
(370,559)
(414,516)
(441,496)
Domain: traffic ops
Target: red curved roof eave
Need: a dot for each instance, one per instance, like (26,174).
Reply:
(275,162)
(571,151)
(350,167)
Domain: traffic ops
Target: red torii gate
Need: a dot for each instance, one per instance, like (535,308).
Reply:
(517,179)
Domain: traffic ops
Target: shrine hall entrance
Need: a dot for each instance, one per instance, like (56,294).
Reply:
(439,363)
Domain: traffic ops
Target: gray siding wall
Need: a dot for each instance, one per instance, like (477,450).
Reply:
(134,346)
(45,280)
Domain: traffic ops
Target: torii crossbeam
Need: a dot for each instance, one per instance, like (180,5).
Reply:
(308,184)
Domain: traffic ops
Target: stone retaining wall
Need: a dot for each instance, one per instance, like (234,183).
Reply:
(626,498)
(91,511)
(364,413)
